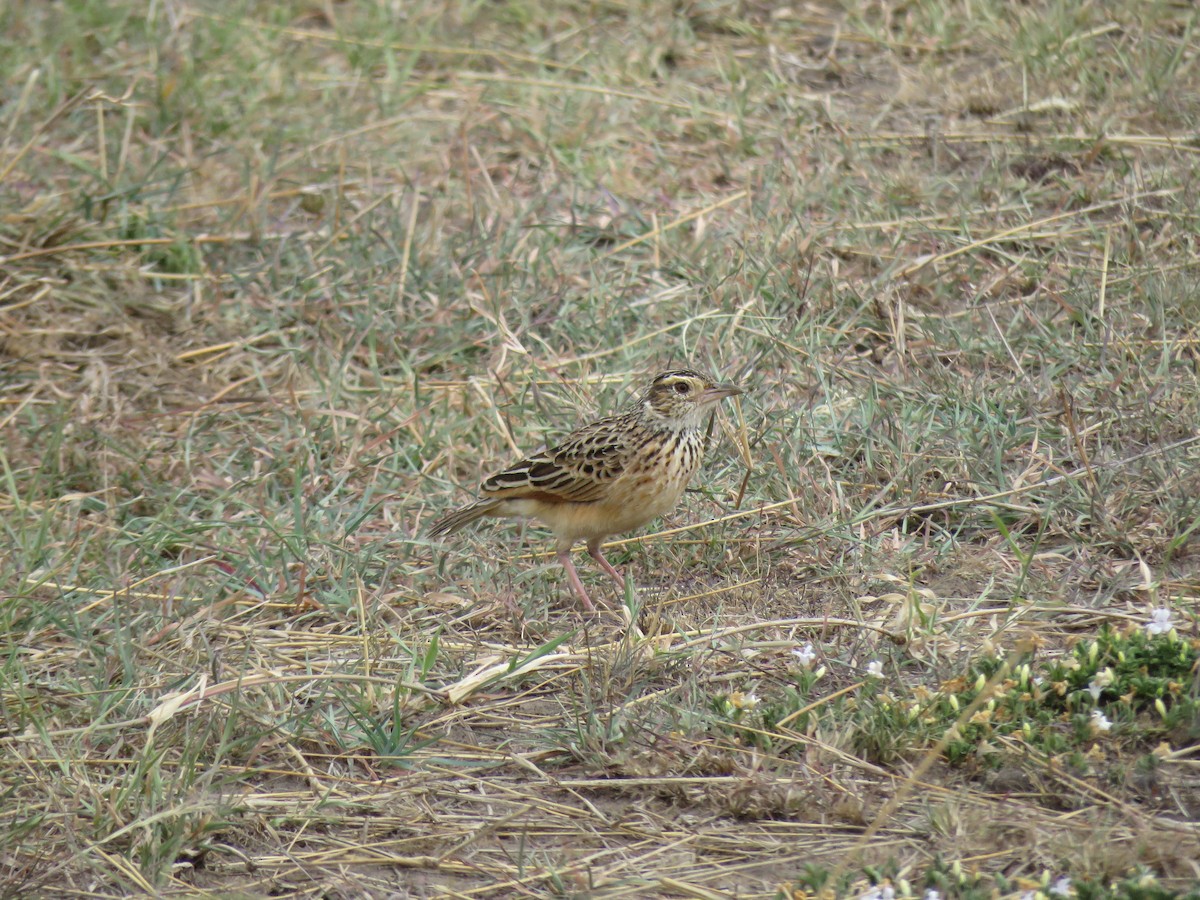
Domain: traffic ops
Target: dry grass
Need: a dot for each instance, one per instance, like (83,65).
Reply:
(280,282)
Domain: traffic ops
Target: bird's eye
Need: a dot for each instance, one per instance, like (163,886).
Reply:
(681,387)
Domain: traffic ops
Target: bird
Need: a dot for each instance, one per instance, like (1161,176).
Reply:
(610,476)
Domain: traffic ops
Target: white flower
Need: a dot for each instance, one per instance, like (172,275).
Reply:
(1160,621)
(1062,887)
(743,701)
(805,655)
(932,894)
(874,669)
(1102,680)
(1029,895)
(883,891)
(1100,722)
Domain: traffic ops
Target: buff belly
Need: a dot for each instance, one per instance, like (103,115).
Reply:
(633,500)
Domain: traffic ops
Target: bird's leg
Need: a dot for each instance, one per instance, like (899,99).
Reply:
(564,557)
(597,554)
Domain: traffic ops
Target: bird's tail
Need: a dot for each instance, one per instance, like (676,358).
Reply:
(452,522)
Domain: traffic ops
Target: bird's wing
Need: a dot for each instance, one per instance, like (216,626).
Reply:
(576,471)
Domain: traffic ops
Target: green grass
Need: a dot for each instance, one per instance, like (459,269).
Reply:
(281,282)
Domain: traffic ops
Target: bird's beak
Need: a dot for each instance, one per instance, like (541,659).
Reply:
(715,392)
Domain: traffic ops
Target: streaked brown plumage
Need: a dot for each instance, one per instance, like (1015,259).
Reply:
(607,477)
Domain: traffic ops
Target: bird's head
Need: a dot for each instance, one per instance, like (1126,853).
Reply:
(679,399)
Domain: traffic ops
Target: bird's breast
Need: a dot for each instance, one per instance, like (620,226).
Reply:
(655,478)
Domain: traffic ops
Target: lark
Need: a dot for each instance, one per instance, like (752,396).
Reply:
(608,477)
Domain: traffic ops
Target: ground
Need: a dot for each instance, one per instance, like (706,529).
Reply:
(282,282)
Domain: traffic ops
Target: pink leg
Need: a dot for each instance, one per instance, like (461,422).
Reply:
(564,557)
(595,552)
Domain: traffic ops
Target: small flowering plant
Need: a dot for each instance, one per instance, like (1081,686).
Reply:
(1124,687)
(1134,684)
(1146,668)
